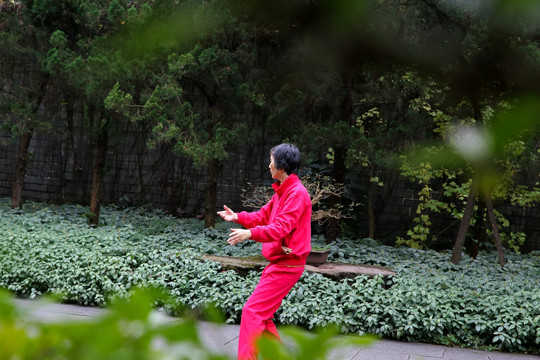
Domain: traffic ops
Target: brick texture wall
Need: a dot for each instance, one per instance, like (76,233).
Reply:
(396,206)
(60,171)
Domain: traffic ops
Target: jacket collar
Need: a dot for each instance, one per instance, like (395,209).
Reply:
(280,188)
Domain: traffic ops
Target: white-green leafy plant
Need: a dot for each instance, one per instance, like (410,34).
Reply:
(47,249)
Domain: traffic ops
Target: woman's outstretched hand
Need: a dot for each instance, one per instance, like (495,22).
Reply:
(227,214)
(238,235)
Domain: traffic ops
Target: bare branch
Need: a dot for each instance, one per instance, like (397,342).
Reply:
(319,187)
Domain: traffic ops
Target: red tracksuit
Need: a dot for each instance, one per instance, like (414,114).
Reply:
(285,222)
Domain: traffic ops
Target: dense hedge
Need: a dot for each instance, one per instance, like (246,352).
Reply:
(50,249)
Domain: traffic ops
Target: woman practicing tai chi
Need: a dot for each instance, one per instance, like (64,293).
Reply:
(283,226)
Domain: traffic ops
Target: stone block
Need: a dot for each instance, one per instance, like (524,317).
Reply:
(412,203)
(54,189)
(396,210)
(35,188)
(34,195)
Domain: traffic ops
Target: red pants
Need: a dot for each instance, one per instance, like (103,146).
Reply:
(276,282)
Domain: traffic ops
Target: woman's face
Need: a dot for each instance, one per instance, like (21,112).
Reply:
(276,173)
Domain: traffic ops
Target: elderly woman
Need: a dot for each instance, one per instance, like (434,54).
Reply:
(283,226)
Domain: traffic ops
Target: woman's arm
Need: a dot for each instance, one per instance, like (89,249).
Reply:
(285,221)
(260,217)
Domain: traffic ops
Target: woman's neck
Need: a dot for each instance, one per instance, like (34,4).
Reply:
(283,177)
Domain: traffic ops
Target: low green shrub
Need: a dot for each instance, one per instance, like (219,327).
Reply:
(50,250)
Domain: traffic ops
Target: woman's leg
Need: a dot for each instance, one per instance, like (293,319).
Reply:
(276,282)
(271,329)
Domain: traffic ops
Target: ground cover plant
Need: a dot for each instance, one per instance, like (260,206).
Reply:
(47,249)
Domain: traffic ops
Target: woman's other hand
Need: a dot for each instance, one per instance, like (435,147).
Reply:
(227,214)
(238,235)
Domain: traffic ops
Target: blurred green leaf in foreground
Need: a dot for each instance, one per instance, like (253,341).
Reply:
(477,147)
(133,330)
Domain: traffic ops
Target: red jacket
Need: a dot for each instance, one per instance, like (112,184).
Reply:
(284,221)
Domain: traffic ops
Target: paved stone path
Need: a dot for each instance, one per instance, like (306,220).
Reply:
(224,338)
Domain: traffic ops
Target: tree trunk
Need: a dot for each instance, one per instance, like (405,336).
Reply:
(371,216)
(20,170)
(478,232)
(70,119)
(97,175)
(333,230)
(339,170)
(24,145)
(495,229)
(464,226)
(210,205)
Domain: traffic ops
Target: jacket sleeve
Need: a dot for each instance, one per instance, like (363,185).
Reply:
(260,217)
(284,223)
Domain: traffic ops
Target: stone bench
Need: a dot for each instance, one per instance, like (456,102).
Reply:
(336,271)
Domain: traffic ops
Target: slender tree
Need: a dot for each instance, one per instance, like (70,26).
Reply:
(25,85)
(92,75)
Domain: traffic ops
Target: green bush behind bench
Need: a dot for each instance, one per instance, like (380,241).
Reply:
(47,249)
